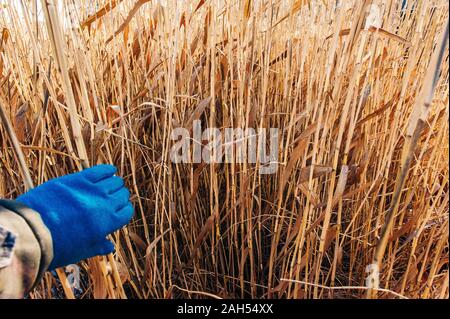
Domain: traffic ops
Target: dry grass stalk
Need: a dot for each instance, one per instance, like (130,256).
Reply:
(343,97)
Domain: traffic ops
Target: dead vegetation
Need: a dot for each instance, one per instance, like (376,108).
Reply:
(363,154)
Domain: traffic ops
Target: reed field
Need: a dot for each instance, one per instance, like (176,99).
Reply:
(359,204)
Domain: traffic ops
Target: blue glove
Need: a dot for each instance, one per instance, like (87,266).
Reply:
(80,210)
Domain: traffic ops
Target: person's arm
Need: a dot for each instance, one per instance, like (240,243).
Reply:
(59,223)
(25,249)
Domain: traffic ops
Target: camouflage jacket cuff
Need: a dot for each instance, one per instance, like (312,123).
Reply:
(7,244)
(40,231)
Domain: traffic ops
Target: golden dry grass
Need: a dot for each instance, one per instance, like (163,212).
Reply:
(106,82)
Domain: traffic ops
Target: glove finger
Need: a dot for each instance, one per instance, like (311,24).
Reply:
(111,185)
(124,216)
(100,172)
(121,198)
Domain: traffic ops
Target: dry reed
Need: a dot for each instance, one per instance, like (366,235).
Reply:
(357,184)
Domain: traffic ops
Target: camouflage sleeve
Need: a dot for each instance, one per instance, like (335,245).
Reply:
(25,249)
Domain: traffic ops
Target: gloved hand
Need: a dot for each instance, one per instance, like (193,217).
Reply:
(80,210)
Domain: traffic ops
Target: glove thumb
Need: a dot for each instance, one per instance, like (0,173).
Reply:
(101,248)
